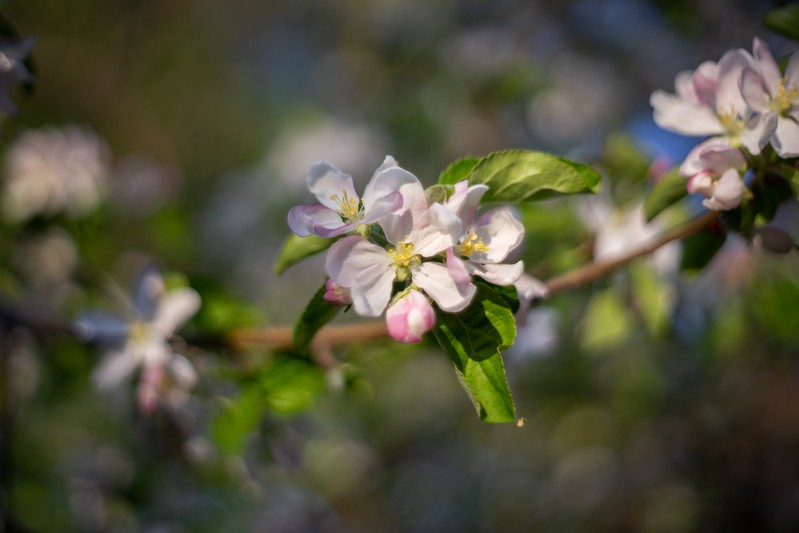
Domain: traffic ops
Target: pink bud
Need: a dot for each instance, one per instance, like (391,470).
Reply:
(336,294)
(410,318)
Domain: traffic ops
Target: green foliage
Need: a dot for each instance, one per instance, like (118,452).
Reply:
(318,313)
(220,312)
(284,385)
(458,170)
(473,340)
(650,294)
(295,249)
(670,189)
(700,248)
(784,21)
(607,321)
(515,176)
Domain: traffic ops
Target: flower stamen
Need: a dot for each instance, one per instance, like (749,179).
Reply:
(471,244)
(348,208)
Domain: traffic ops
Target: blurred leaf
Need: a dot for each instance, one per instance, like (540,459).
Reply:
(457,170)
(784,21)
(221,312)
(524,176)
(774,305)
(651,296)
(291,385)
(700,248)
(295,249)
(623,158)
(237,421)
(670,189)
(473,340)
(769,194)
(791,175)
(607,321)
(318,313)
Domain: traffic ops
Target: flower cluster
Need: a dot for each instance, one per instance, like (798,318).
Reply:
(400,250)
(745,104)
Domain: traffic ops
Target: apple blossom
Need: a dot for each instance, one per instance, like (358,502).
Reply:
(716,174)
(410,317)
(336,294)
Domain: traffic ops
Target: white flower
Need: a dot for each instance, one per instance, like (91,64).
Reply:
(141,339)
(340,209)
(410,317)
(53,170)
(775,96)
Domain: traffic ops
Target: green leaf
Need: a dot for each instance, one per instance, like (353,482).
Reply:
(473,340)
(670,189)
(700,248)
(515,176)
(607,321)
(291,385)
(318,313)
(784,21)
(295,249)
(237,420)
(457,171)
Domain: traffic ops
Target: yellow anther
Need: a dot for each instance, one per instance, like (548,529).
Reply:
(348,208)
(138,331)
(471,244)
(403,255)
(785,98)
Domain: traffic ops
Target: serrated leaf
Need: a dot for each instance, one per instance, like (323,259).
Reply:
(515,176)
(669,190)
(700,248)
(473,340)
(295,249)
(457,171)
(317,313)
(784,21)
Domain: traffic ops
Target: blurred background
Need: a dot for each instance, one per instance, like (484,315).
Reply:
(662,399)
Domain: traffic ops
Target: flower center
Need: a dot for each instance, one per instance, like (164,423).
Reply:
(348,208)
(733,125)
(471,244)
(403,255)
(784,100)
(139,331)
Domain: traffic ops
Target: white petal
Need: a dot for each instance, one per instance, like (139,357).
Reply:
(182,371)
(371,289)
(792,71)
(728,92)
(435,280)
(457,269)
(397,226)
(766,65)
(101,326)
(115,367)
(326,181)
(316,219)
(754,91)
(389,180)
(350,256)
(719,157)
(684,86)
(465,200)
(147,291)
(704,82)
(679,116)
(176,307)
(531,288)
(501,231)
(786,138)
(693,163)
(499,274)
(758,132)
(442,230)
(729,191)
(382,207)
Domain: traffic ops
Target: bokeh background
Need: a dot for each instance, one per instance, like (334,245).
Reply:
(657,400)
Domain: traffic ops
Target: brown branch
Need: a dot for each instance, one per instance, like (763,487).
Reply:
(331,336)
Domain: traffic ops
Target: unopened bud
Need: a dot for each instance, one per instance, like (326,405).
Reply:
(336,294)
(410,317)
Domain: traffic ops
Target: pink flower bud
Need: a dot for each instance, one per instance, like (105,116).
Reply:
(336,294)
(410,318)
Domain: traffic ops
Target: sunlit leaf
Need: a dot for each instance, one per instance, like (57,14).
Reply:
(318,313)
(295,249)
(291,385)
(515,176)
(670,189)
(473,340)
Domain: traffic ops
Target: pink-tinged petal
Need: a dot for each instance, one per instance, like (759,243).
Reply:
(176,308)
(679,116)
(456,268)
(115,367)
(318,220)
(531,289)
(786,138)
(148,392)
(693,163)
(766,65)
(101,326)
(684,86)
(382,207)
(410,318)
(464,202)
(442,230)
(326,181)
(499,274)
(501,231)
(397,226)
(336,294)
(436,281)
(147,291)
(728,193)
(704,81)
(719,157)
(792,72)
(728,92)
(754,91)
(701,183)
(389,179)
(371,289)
(352,255)
(758,132)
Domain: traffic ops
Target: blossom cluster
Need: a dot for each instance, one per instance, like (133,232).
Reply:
(744,103)
(399,251)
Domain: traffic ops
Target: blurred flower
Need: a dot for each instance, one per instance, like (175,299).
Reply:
(715,172)
(48,259)
(530,290)
(141,339)
(410,317)
(13,71)
(53,170)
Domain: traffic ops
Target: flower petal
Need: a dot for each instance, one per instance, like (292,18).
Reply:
(456,268)
(786,138)
(326,181)
(388,179)
(501,231)
(101,326)
(499,274)
(674,114)
(766,65)
(147,291)
(318,220)
(754,91)
(464,201)
(382,207)
(371,289)
(115,367)
(792,71)
(758,132)
(176,307)
(728,92)
(728,192)
(442,230)
(436,281)
(350,256)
